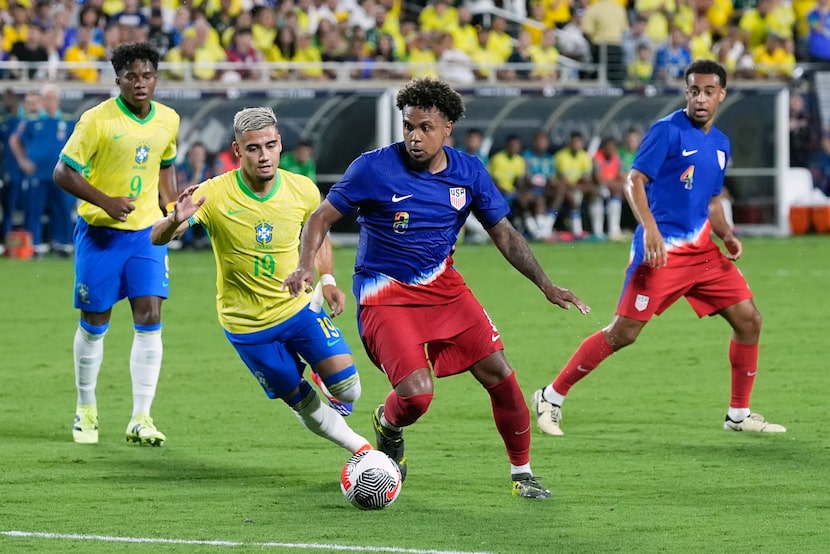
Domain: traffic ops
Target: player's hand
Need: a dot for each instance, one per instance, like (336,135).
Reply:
(28,167)
(654,248)
(335,298)
(120,207)
(734,248)
(564,298)
(299,280)
(185,206)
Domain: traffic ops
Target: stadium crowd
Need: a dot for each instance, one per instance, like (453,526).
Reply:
(462,41)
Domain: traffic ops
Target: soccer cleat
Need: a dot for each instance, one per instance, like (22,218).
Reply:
(342,408)
(754,423)
(85,426)
(142,430)
(526,486)
(389,442)
(549,415)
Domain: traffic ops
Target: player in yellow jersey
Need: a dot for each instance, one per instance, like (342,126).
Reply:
(118,161)
(254,216)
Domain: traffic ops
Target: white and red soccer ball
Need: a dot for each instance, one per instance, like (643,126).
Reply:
(370,480)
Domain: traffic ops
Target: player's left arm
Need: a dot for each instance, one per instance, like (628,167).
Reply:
(516,250)
(167,185)
(721,228)
(324,263)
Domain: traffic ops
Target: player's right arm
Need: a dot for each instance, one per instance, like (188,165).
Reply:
(118,207)
(175,223)
(653,244)
(315,231)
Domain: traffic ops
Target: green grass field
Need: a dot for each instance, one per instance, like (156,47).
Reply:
(644,467)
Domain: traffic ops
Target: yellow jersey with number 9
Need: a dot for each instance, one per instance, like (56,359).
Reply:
(256,243)
(121,155)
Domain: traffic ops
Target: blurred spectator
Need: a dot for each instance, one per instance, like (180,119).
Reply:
(545,57)
(801,143)
(362,15)
(36,144)
(465,35)
(157,34)
(610,177)
(16,29)
(192,171)
(520,55)
(29,50)
(772,61)
(540,183)
(484,59)
(309,55)
(574,182)
(499,42)
(641,70)
(421,57)
(605,23)
(730,51)
(557,12)
(571,40)
(130,16)
(508,168)
(818,39)
(185,52)
(754,23)
(454,65)
(438,15)
(246,58)
(300,160)
(283,50)
(12,176)
(536,15)
(628,149)
(91,18)
(701,42)
(658,15)
(333,48)
(384,52)
(386,24)
(264,27)
(222,19)
(84,51)
(633,37)
(472,144)
(672,58)
(181,23)
(719,13)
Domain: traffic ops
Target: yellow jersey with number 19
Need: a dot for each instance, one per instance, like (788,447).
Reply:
(121,155)
(256,243)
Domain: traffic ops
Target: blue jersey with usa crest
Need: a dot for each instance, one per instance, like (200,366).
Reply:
(409,223)
(686,168)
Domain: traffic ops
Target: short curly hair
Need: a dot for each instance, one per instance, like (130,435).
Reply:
(125,54)
(427,93)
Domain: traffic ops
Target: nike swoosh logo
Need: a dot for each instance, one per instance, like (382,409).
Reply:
(391,494)
(688,152)
(751,373)
(522,432)
(494,338)
(235,212)
(396,198)
(582,369)
(116,137)
(332,342)
(165,284)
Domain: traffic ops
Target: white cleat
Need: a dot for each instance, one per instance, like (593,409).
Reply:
(754,423)
(142,431)
(548,415)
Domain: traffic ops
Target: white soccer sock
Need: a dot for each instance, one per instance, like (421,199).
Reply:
(145,366)
(322,420)
(597,212)
(614,216)
(517,470)
(576,222)
(550,394)
(88,350)
(737,414)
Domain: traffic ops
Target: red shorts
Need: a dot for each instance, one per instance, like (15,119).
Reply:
(709,282)
(448,337)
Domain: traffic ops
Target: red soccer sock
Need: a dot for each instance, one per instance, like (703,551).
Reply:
(588,356)
(401,411)
(512,419)
(744,360)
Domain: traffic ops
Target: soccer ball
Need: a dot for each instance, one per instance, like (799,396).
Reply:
(370,480)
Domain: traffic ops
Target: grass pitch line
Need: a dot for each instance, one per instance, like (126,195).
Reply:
(298,545)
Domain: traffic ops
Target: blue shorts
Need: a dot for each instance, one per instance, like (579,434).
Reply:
(111,264)
(275,356)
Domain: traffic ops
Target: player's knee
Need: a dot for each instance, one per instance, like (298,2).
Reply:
(410,408)
(344,385)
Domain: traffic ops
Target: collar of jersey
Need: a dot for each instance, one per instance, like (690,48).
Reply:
(251,194)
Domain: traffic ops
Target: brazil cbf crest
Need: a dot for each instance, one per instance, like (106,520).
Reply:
(458,197)
(264,232)
(142,152)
